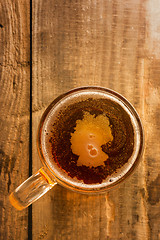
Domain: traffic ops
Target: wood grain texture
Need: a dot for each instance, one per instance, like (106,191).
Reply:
(113,44)
(14,114)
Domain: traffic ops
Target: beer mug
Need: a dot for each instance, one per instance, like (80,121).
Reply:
(89,140)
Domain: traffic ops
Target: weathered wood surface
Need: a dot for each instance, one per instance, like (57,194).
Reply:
(115,44)
(14,112)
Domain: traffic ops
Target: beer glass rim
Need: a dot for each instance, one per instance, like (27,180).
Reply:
(68,185)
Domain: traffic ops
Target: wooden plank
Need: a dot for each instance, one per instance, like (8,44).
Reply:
(14,114)
(112,44)
(152,102)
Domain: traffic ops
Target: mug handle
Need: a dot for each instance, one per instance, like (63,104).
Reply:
(31,189)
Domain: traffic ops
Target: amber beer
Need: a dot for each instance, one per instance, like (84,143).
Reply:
(90,137)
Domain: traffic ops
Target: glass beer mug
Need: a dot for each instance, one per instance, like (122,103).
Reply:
(89,140)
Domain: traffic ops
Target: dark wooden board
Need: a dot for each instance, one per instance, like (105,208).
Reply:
(14,112)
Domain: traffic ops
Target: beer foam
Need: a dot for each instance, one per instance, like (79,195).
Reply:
(90,134)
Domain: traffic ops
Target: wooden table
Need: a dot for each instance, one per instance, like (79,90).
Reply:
(46,48)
